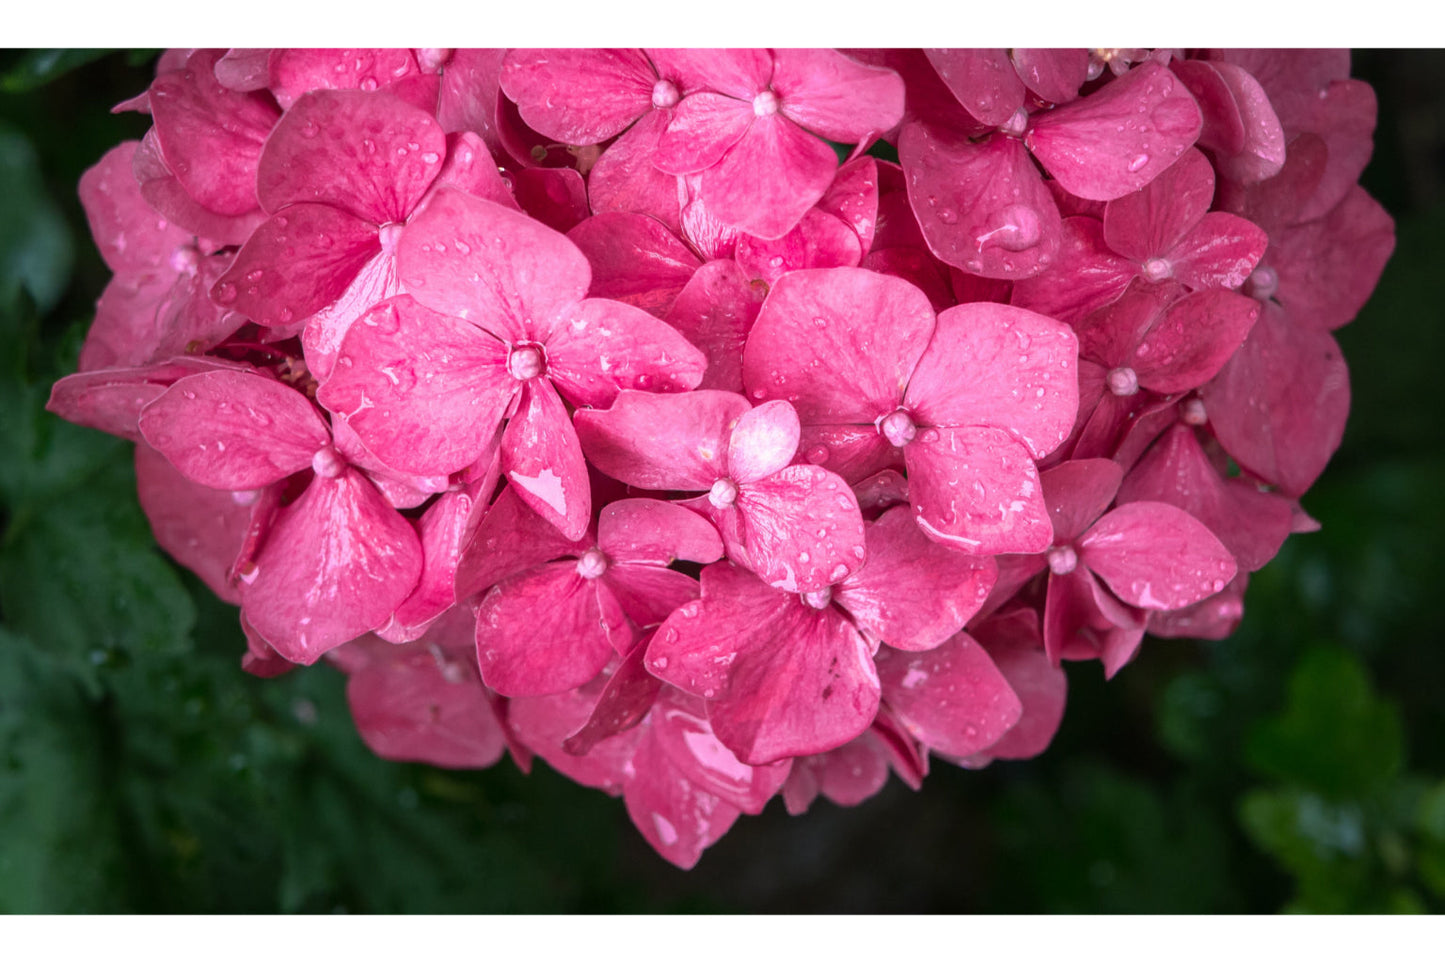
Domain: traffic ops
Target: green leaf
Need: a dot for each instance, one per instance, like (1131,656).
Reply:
(35,68)
(35,246)
(1322,844)
(1335,734)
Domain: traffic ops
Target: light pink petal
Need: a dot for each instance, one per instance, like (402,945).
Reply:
(769,178)
(556,196)
(984,81)
(982,206)
(1077,493)
(469,92)
(951,698)
(1279,405)
(369,154)
(608,346)
(1017,650)
(819,241)
(801,529)
(1155,556)
(165,195)
(678,818)
(635,259)
(295,72)
(234,431)
(470,167)
(1220,252)
(1080,146)
(578,96)
(650,530)
(853,198)
(999,366)
(545,631)
(977,489)
(425,706)
(1082,621)
(1240,125)
(1055,75)
(1153,219)
(508,540)
(543,460)
(625,178)
(835,96)
(624,702)
(715,312)
(1087,276)
(1328,268)
(662,442)
(700,131)
(423,391)
(680,727)
(337,563)
(130,236)
(200,527)
(210,136)
(763,441)
(1214,618)
(244,69)
(297,263)
(525,274)
(325,330)
(913,593)
(839,344)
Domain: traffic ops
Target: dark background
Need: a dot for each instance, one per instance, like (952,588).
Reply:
(1299,765)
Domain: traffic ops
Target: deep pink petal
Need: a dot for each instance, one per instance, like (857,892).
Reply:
(649,530)
(368,154)
(715,312)
(681,728)
(913,593)
(1082,621)
(853,198)
(294,72)
(919,268)
(508,540)
(1017,649)
(1055,75)
(800,528)
(1343,113)
(623,703)
(579,96)
(111,399)
(608,346)
(402,489)
(470,167)
(982,206)
(635,259)
(700,131)
(544,723)
(1156,556)
(556,196)
(1220,252)
(441,530)
(1240,125)
(1087,276)
(999,366)
(244,69)
(625,178)
(424,392)
(649,594)
(835,96)
(1193,339)
(325,330)
(165,194)
(662,442)
(200,527)
(769,178)
(1328,268)
(545,631)
(543,460)
(1214,618)
(337,563)
(839,344)
(469,92)
(234,431)
(1080,146)
(1077,493)
(763,441)
(819,241)
(525,274)
(677,817)
(1151,220)
(977,490)
(951,698)
(984,81)
(853,452)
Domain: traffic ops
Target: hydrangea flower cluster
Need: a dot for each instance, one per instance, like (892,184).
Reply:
(635,409)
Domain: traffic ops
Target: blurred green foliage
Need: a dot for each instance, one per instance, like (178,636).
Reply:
(1295,766)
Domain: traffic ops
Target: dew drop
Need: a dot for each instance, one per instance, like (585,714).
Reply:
(1137,164)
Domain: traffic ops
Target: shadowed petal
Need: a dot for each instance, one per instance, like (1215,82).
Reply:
(951,698)
(649,530)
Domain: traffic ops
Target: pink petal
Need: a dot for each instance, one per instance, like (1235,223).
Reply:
(1343,113)
(111,399)
(799,529)
(1240,125)
(337,563)
(1153,219)
(649,594)
(165,195)
(706,234)
(1279,405)
(1220,252)
(1079,145)
(835,96)
(1156,556)
(850,368)
(470,167)
(369,154)
(545,631)
(1088,275)
(680,727)
(911,592)
(469,92)
(510,539)
(853,198)
(819,241)
(715,312)
(1329,267)
(1193,339)
(609,346)
(769,178)
(982,206)
(325,330)
(1082,621)
(1018,372)
(1251,524)
(424,392)
(735,71)
(1077,493)
(544,723)
(951,698)
(649,530)
(441,530)
(297,263)
(526,274)
(625,701)
(556,196)
(700,131)
(244,69)
(678,818)
(763,441)
(853,452)
(130,236)
(197,526)
(401,489)
(1214,618)
(1055,75)
(635,259)
(234,431)
(977,490)
(625,178)
(984,81)
(919,268)
(662,442)
(295,72)
(578,96)
(1017,650)
(543,461)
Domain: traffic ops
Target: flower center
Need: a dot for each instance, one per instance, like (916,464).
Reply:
(391,236)
(664,94)
(526,361)
(185,259)
(1017,229)
(1157,269)
(1192,412)
(818,598)
(1262,284)
(327,462)
(1062,560)
(1122,381)
(723,493)
(1016,124)
(765,103)
(898,428)
(592,563)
